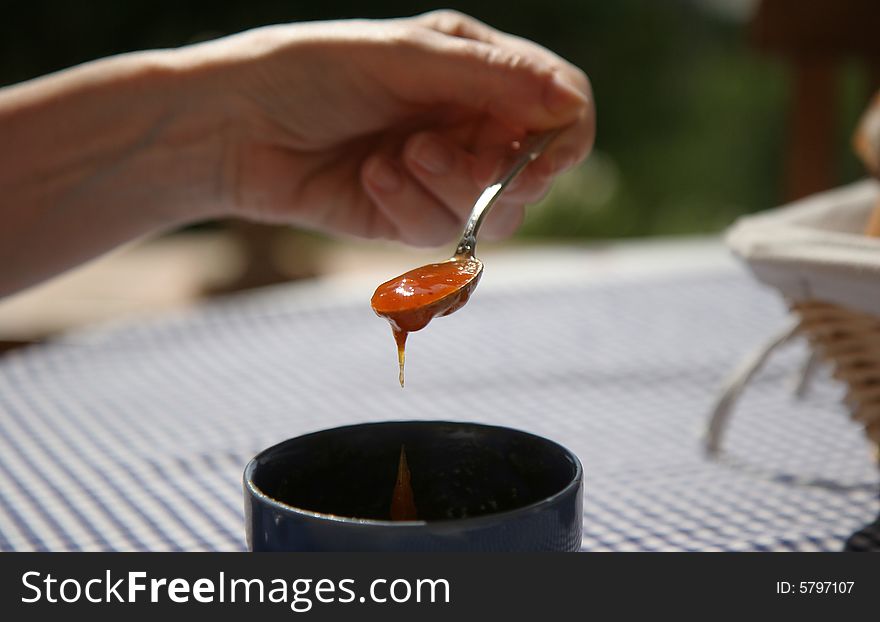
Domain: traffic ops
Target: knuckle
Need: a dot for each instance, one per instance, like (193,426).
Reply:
(402,38)
(524,66)
(516,62)
(508,60)
(448,20)
(582,80)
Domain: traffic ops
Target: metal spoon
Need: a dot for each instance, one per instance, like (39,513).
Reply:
(414,298)
(531,148)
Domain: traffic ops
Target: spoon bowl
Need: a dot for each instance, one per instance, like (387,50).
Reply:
(410,301)
(414,298)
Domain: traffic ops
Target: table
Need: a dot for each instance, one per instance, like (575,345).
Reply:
(133,436)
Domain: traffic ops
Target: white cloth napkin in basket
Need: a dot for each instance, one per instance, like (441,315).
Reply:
(816,249)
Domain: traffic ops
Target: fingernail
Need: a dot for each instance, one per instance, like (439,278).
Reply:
(561,95)
(433,156)
(384,176)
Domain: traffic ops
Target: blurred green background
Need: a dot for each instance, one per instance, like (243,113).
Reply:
(691,119)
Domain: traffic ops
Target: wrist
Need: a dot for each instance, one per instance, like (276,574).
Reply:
(194,135)
(101,154)
(222,108)
(136,136)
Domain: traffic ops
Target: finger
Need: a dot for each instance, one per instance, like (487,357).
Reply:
(417,216)
(379,227)
(445,170)
(569,149)
(522,90)
(529,187)
(566,151)
(577,140)
(503,220)
(457,24)
(480,133)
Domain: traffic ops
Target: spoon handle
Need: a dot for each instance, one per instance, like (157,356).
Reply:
(530,149)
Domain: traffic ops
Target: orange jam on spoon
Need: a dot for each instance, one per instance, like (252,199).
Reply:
(414,298)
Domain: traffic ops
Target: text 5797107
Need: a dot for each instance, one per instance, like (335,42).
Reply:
(814,587)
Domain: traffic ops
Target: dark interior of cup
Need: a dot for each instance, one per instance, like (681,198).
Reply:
(458,470)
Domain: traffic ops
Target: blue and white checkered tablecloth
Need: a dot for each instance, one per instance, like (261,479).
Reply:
(134,437)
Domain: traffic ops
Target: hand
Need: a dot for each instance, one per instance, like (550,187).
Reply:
(370,128)
(389,128)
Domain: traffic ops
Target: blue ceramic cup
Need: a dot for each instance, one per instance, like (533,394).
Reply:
(476,488)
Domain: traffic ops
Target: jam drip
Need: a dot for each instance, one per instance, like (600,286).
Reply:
(403,505)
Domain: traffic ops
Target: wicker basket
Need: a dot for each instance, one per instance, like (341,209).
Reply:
(815,253)
(850,341)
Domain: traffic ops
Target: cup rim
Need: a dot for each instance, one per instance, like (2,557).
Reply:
(573,484)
